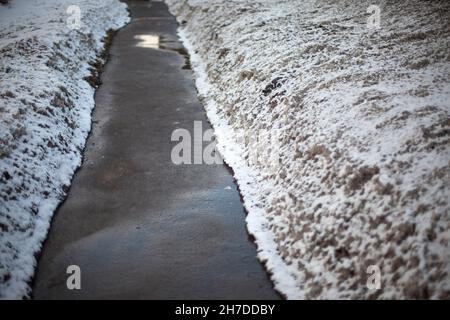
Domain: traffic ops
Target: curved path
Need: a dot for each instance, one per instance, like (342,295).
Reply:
(137,225)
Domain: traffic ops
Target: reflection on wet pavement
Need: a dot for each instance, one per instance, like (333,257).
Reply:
(147,41)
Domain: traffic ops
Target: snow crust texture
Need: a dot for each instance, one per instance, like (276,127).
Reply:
(45,109)
(359,119)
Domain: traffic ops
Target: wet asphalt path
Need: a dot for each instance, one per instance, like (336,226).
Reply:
(138,226)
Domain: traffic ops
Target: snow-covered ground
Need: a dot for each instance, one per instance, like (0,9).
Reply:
(360,120)
(45,110)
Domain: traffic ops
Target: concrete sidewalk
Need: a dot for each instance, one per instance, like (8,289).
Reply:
(139,226)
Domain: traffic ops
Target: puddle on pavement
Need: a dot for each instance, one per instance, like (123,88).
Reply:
(154,41)
(147,41)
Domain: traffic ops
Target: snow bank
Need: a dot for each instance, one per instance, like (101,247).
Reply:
(45,108)
(360,121)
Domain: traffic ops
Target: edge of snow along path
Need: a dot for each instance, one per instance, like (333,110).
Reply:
(45,106)
(360,121)
(246,178)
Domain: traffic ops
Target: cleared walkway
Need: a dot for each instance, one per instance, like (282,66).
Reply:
(137,225)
